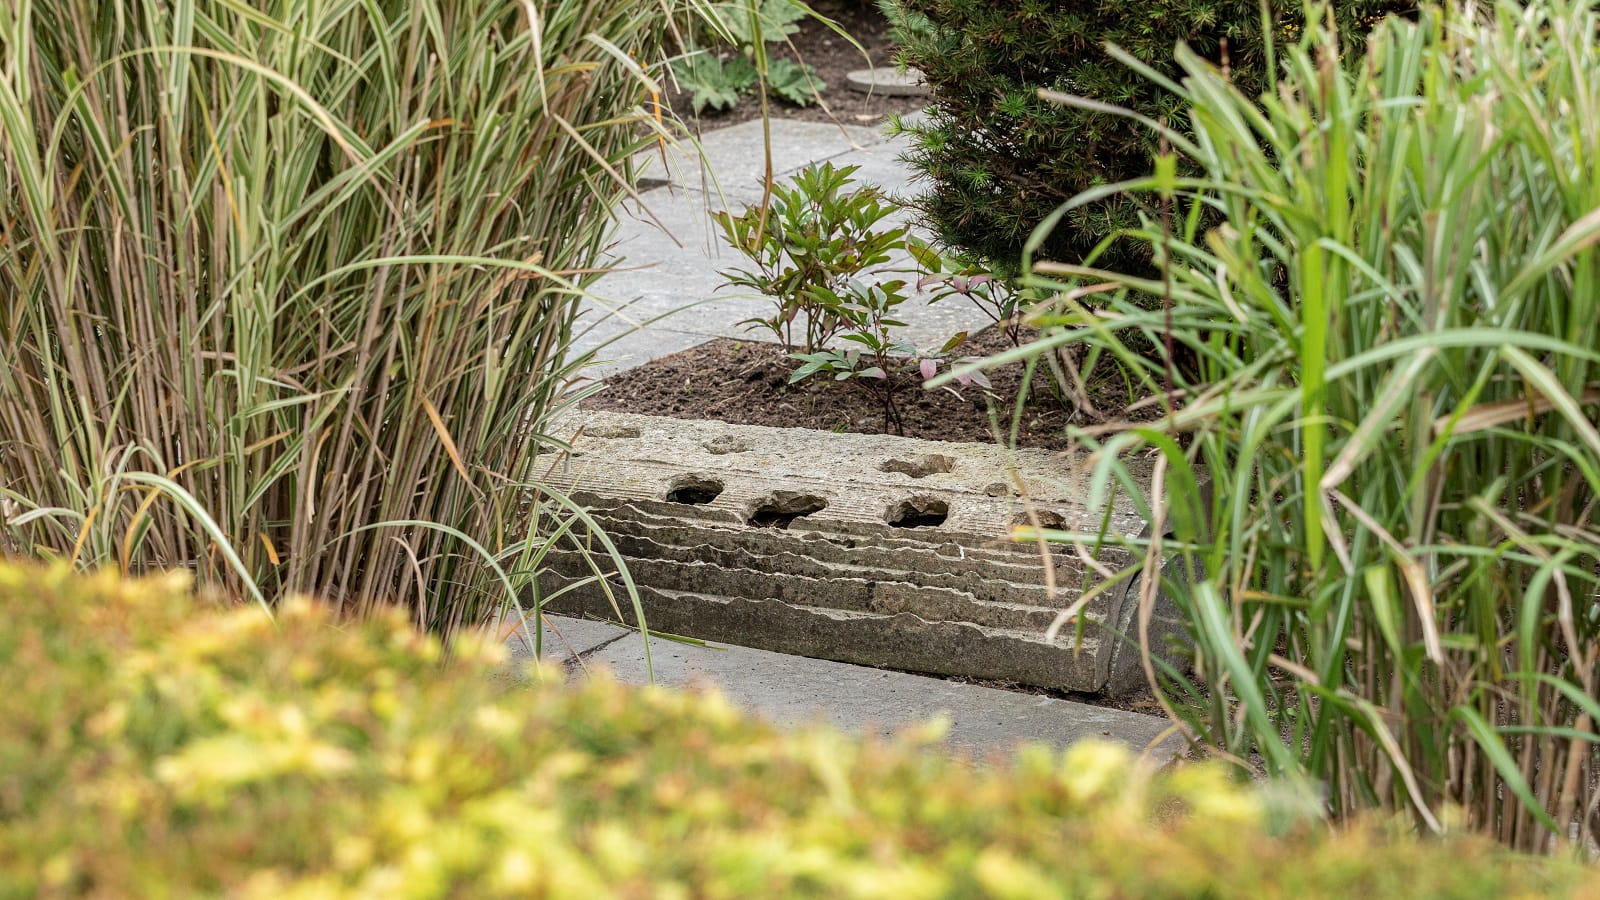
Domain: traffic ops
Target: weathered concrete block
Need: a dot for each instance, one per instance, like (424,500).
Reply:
(868,549)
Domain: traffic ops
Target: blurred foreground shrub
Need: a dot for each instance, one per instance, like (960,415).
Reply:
(287,289)
(1377,497)
(150,746)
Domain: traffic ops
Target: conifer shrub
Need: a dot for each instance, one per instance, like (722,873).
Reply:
(156,745)
(997,159)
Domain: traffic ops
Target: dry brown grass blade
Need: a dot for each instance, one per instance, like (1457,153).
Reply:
(445,439)
(1503,412)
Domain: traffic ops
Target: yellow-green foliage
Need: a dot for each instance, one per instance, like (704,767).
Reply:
(150,746)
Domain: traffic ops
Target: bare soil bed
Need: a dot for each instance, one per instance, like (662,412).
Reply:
(746,382)
(832,56)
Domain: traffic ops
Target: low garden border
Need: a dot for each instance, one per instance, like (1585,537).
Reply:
(871,549)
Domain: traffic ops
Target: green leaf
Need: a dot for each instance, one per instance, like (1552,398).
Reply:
(793,82)
(1495,749)
(712,82)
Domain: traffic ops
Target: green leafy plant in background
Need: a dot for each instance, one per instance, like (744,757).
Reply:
(996,159)
(770,21)
(287,292)
(718,78)
(153,745)
(714,82)
(794,83)
(817,235)
(1376,487)
(955,276)
(822,251)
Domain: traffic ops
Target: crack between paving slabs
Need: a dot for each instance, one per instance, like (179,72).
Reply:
(574,661)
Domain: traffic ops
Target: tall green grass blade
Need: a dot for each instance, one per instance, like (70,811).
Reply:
(1389,337)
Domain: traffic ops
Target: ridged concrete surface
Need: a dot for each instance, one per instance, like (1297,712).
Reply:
(695,509)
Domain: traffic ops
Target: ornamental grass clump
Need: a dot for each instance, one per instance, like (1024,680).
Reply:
(286,289)
(151,744)
(1379,468)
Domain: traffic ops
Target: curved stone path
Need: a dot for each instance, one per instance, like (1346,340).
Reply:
(666,293)
(665,297)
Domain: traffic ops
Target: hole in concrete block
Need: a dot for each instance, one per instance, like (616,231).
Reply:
(780,508)
(612,432)
(918,512)
(695,490)
(920,466)
(1048,518)
(724,444)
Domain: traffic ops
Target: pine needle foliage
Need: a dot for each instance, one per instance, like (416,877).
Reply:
(997,158)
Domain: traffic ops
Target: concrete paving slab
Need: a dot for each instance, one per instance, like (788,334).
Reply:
(888,81)
(790,691)
(914,118)
(880,166)
(670,220)
(733,157)
(571,636)
(668,293)
(619,348)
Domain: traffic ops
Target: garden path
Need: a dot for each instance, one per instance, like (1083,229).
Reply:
(667,295)
(793,691)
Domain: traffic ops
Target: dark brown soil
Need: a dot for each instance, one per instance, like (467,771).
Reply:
(747,383)
(832,56)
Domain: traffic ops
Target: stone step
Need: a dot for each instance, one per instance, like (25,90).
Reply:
(902,640)
(988,578)
(842,509)
(788,540)
(881,548)
(856,595)
(860,476)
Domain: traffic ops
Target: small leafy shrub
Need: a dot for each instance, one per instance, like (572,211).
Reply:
(814,247)
(810,248)
(288,300)
(718,79)
(998,159)
(1393,382)
(878,354)
(153,745)
(956,276)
